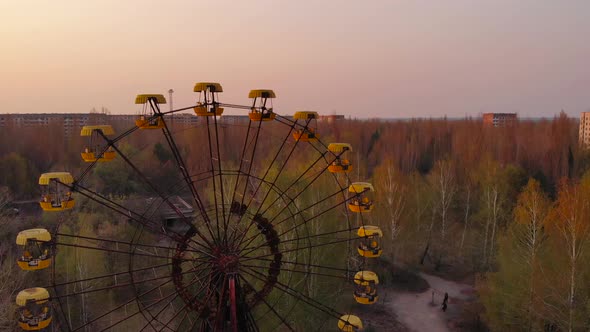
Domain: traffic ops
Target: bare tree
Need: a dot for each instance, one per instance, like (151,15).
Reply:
(531,215)
(466,215)
(446,187)
(393,192)
(5,199)
(12,280)
(493,201)
(571,220)
(7,235)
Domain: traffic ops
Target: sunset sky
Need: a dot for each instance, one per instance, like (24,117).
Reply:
(359,58)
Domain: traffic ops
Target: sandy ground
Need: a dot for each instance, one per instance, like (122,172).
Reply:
(416,311)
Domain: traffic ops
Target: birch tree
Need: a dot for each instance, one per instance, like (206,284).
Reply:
(571,221)
(529,233)
(466,212)
(492,201)
(513,294)
(444,183)
(392,194)
(12,280)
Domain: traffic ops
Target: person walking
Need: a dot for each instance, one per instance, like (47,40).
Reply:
(444,304)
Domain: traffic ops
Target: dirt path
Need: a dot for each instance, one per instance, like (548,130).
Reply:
(416,311)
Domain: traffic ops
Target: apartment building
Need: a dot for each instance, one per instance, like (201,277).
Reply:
(72,122)
(499,119)
(584,133)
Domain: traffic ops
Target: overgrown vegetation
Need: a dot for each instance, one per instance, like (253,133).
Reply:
(509,205)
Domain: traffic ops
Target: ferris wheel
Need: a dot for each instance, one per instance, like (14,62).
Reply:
(258,227)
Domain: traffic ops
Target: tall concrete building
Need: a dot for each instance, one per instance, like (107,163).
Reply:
(499,119)
(585,128)
(332,118)
(71,123)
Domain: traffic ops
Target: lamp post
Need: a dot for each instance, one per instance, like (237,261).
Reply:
(170,92)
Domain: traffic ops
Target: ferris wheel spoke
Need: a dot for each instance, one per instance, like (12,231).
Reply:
(135,298)
(316,215)
(145,308)
(116,242)
(300,212)
(317,235)
(181,321)
(281,318)
(221,189)
(179,110)
(293,123)
(204,287)
(109,275)
(251,322)
(192,323)
(251,163)
(183,309)
(111,250)
(136,217)
(188,303)
(247,174)
(110,142)
(242,156)
(297,271)
(263,178)
(306,265)
(272,184)
(314,205)
(212,165)
(296,294)
(112,205)
(135,313)
(308,237)
(116,286)
(160,194)
(286,121)
(220,313)
(298,179)
(205,325)
(300,192)
(155,317)
(249,258)
(191,283)
(260,245)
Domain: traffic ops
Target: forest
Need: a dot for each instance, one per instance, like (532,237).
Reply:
(508,207)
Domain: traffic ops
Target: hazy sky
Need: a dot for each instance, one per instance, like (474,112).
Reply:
(360,58)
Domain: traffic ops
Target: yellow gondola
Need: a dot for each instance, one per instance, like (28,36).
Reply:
(208,101)
(149,117)
(350,323)
(307,134)
(362,202)
(34,312)
(259,110)
(55,195)
(370,246)
(93,149)
(339,165)
(34,246)
(365,291)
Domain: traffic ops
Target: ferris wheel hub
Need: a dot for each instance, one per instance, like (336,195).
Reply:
(227,264)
